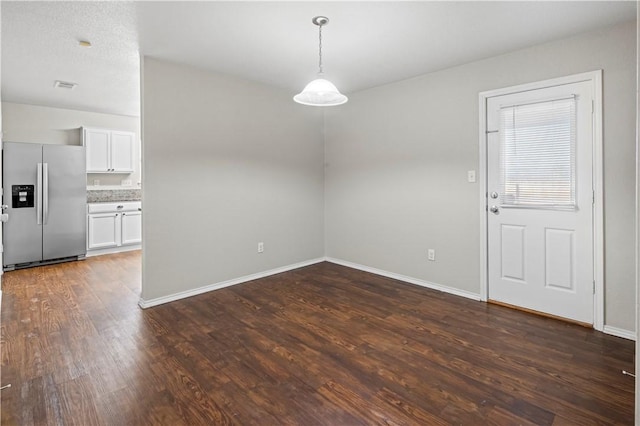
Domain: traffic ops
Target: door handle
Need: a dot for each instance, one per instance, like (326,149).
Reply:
(39,194)
(45,193)
(4,217)
(494,209)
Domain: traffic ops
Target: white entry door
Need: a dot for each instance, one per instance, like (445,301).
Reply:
(540,200)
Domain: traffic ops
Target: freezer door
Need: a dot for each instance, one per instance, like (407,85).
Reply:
(64,201)
(22,235)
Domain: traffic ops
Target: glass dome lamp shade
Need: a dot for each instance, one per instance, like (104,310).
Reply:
(320,92)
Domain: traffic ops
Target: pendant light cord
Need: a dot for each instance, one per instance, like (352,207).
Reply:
(320,49)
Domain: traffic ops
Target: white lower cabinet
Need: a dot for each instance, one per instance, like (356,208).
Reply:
(113,225)
(131,227)
(102,230)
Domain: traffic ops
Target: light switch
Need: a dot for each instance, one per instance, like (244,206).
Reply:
(471,176)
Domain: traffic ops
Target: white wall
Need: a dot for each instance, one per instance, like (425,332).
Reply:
(227,163)
(1,130)
(40,124)
(397,158)
(637,218)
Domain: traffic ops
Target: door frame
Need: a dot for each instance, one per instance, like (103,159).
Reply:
(595,77)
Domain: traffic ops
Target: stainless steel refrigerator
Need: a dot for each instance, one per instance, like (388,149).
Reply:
(45,196)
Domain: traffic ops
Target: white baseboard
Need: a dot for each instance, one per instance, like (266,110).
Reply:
(619,332)
(410,280)
(111,250)
(184,294)
(614,331)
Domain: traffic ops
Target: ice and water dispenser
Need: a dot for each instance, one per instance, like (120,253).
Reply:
(22,196)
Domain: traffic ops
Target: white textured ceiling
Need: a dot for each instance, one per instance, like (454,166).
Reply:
(366,44)
(40,45)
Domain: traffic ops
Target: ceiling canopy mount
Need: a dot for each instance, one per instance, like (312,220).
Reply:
(320,20)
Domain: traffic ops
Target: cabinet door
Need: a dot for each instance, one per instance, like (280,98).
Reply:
(131,228)
(122,151)
(98,149)
(103,230)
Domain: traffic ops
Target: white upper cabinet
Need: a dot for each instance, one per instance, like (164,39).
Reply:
(109,151)
(97,146)
(122,151)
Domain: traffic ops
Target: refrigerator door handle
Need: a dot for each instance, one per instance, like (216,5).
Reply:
(39,194)
(45,193)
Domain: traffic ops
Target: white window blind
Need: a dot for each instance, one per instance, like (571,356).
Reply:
(537,155)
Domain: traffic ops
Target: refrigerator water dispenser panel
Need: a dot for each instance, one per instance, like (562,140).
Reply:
(22,196)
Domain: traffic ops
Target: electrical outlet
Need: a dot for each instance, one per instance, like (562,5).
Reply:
(431,254)
(96,182)
(260,247)
(125,182)
(471,176)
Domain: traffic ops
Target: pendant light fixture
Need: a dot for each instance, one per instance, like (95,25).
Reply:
(320,92)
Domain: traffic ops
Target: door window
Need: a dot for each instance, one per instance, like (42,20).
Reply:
(537,155)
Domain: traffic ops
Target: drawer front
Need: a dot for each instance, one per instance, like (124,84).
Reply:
(124,206)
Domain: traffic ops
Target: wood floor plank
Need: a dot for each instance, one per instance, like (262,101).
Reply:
(320,345)
(78,402)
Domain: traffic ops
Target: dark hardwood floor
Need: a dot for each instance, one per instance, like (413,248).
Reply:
(321,345)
